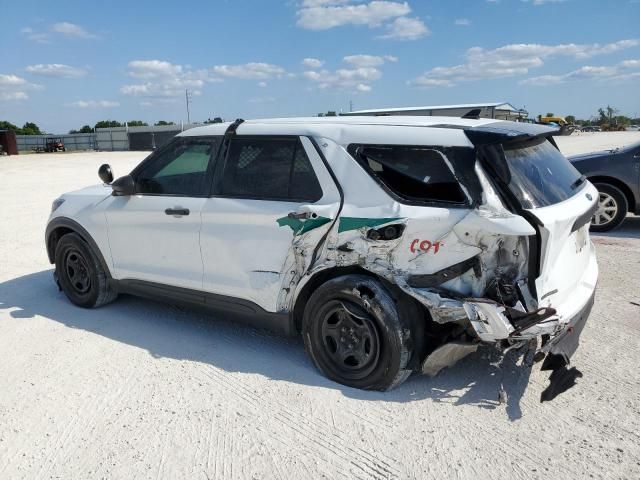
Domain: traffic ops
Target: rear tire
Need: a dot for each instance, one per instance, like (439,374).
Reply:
(354,334)
(612,208)
(80,274)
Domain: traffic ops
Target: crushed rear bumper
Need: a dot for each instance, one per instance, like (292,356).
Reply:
(559,349)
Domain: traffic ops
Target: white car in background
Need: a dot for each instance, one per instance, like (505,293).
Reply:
(392,244)
(633,128)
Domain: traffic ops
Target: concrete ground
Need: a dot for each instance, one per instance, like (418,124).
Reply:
(138,389)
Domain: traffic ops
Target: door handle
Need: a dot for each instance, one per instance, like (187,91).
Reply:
(302,215)
(178,212)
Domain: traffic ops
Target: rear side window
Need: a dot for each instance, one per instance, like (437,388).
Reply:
(414,174)
(269,169)
(540,174)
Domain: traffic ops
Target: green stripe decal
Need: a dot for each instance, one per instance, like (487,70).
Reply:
(302,226)
(354,223)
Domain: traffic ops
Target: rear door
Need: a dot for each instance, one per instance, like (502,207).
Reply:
(274,200)
(560,203)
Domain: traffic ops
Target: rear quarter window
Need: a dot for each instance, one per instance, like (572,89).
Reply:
(412,174)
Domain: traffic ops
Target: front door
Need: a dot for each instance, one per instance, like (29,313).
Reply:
(154,235)
(271,193)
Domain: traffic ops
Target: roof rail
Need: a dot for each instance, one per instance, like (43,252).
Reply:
(231,129)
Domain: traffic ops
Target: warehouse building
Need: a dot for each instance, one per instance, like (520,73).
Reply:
(497,110)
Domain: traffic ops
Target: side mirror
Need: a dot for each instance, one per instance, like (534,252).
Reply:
(105,173)
(124,186)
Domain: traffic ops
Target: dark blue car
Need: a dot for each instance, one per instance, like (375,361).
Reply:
(616,175)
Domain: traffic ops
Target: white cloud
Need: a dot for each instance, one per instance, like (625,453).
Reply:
(94,104)
(164,79)
(387,14)
(11,81)
(312,63)
(56,70)
(249,71)
(362,71)
(510,60)
(462,22)
(405,28)
(368,60)
(61,29)
(624,70)
(13,87)
(262,84)
(153,69)
(324,15)
(72,30)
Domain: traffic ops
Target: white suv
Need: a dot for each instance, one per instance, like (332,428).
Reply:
(392,244)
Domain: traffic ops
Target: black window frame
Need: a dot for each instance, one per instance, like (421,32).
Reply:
(208,180)
(218,176)
(466,204)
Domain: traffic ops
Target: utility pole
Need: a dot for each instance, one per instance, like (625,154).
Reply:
(350,105)
(187,97)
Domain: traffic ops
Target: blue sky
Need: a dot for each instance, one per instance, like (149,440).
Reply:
(75,63)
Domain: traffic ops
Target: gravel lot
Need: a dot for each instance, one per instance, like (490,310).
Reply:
(143,390)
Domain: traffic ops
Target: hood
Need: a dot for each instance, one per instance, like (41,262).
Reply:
(99,191)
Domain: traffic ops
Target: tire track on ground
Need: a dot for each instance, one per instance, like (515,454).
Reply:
(369,465)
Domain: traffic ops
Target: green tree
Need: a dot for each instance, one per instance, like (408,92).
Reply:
(4,125)
(84,129)
(108,124)
(30,128)
(162,123)
(570,119)
(330,113)
(549,115)
(137,123)
(214,120)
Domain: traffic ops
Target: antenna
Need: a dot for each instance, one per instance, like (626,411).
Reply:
(187,97)
(351,105)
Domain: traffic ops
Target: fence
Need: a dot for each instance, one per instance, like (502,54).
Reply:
(76,141)
(109,139)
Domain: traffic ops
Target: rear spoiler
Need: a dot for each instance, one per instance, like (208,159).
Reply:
(508,132)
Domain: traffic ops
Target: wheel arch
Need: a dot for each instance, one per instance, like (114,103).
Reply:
(324,276)
(417,315)
(60,226)
(620,185)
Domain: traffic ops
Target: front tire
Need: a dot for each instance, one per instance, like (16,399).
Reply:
(80,274)
(612,208)
(354,334)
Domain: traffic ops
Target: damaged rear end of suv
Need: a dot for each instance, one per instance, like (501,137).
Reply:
(490,242)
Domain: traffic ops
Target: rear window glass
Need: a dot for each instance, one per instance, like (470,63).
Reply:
(413,174)
(540,174)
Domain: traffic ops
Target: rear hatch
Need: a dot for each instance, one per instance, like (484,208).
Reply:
(559,202)
(537,182)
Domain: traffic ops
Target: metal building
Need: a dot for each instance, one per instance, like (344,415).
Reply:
(497,110)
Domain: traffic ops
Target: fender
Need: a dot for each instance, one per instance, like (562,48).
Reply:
(67,223)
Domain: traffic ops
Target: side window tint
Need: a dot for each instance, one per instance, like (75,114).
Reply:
(411,173)
(180,169)
(270,169)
